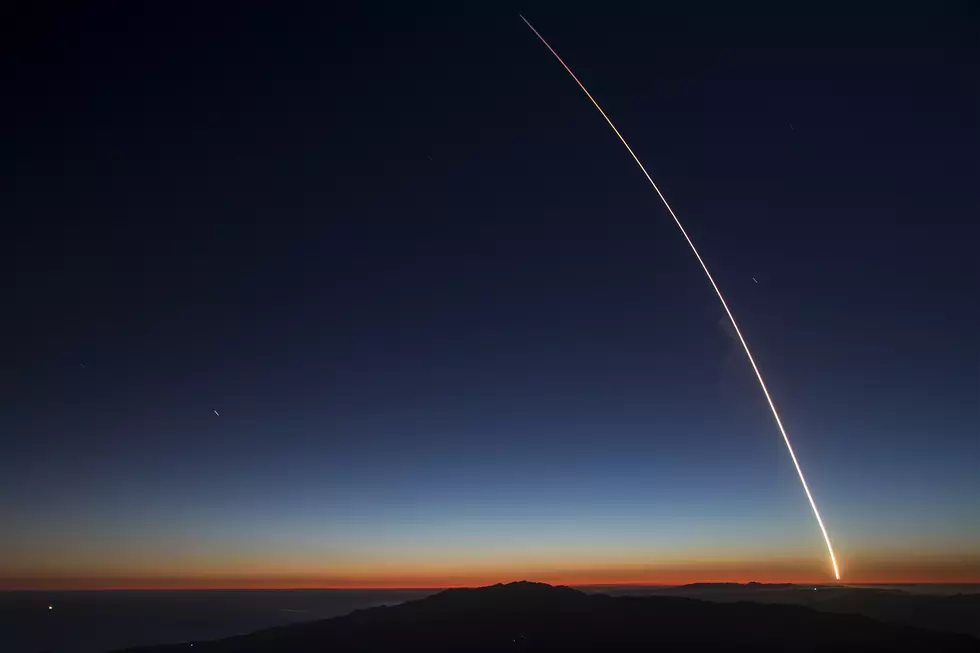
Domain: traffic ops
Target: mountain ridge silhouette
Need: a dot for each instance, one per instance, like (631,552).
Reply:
(526,616)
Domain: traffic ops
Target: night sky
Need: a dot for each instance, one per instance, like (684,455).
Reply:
(449,331)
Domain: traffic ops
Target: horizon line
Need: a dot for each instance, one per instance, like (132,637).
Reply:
(260,588)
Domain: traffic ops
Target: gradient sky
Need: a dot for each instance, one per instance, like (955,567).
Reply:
(452,335)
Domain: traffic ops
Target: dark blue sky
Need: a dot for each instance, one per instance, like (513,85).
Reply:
(448,326)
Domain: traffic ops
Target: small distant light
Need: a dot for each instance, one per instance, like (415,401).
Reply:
(50,607)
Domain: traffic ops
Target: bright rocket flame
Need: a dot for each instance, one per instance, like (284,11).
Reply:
(721,298)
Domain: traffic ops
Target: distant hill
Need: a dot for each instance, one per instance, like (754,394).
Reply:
(958,613)
(536,617)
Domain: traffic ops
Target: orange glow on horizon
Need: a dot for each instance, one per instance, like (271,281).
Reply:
(61,587)
(445,582)
(223,573)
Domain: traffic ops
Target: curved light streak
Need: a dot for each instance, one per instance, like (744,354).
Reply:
(721,298)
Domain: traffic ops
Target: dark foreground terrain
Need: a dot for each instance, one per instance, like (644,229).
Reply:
(956,613)
(535,617)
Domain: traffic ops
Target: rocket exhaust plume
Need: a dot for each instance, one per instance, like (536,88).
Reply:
(721,298)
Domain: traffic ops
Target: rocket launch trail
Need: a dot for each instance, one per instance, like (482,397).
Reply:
(721,298)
